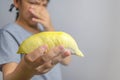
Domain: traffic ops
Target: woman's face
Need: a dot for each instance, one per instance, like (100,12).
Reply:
(24,6)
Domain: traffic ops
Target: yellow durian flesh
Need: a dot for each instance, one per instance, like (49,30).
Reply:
(51,39)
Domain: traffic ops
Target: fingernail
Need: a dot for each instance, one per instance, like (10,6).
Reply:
(67,53)
(61,47)
(43,48)
(30,10)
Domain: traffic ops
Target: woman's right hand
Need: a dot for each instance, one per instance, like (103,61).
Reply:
(40,62)
(36,62)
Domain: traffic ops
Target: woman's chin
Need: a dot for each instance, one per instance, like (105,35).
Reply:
(33,23)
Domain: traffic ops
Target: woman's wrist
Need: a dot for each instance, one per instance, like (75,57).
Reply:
(49,27)
(22,72)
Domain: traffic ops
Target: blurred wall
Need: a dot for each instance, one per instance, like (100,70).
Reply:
(95,26)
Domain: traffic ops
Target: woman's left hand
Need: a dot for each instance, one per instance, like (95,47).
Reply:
(42,16)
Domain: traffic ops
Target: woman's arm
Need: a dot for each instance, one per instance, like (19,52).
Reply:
(11,71)
(34,63)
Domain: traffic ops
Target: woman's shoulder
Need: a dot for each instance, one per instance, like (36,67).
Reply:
(7,27)
(7,30)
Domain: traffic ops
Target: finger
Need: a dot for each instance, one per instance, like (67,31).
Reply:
(41,60)
(60,57)
(43,72)
(67,53)
(31,57)
(67,59)
(53,53)
(48,56)
(41,21)
(37,14)
(44,68)
(50,59)
(34,11)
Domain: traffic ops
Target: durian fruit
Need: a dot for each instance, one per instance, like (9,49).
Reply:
(51,39)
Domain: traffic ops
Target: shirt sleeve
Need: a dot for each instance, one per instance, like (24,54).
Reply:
(8,49)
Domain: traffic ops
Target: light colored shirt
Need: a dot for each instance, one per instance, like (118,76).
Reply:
(11,36)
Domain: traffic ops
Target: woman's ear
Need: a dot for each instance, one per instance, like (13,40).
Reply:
(16,4)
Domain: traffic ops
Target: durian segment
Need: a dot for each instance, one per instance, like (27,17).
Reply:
(51,39)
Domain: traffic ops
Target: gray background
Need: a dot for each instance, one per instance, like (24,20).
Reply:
(95,26)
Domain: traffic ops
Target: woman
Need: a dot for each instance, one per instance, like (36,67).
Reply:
(35,65)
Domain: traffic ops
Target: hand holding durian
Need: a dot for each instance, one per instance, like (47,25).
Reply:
(51,39)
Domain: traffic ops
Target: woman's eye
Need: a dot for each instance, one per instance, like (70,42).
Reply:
(45,5)
(32,2)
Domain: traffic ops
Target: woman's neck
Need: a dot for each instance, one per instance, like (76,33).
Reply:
(30,28)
